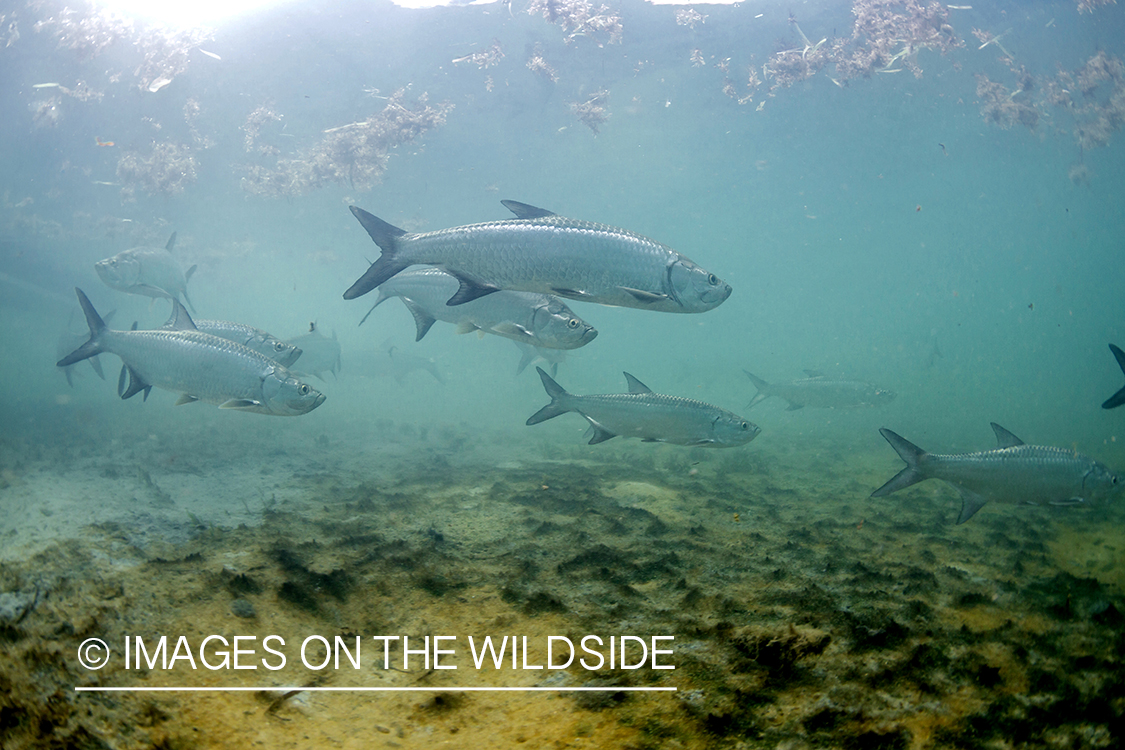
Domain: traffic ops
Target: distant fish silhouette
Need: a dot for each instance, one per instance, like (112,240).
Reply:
(1118,398)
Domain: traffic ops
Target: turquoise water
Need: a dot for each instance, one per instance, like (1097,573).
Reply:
(863,223)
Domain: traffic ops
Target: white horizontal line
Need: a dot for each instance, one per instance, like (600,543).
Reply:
(285,689)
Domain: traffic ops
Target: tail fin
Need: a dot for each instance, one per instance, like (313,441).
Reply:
(553,409)
(1118,398)
(762,387)
(97,327)
(386,237)
(908,452)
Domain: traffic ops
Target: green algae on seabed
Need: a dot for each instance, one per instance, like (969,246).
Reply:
(798,621)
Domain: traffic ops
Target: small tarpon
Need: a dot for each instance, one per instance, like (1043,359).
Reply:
(820,392)
(1013,472)
(148,271)
(652,417)
(319,353)
(539,251)
(253,338)
(1118,398)
(536,319)
(197,365)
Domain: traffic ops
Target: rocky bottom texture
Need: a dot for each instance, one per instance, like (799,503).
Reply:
(799,620)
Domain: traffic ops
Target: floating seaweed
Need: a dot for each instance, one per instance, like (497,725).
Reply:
(578,18)
(166,169)
(593,111)
(486,59)
(689,18)
(538,64)
(355,154)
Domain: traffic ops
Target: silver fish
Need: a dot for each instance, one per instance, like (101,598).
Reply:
(197,365)
(320,353)
(252,338)
(400,364)
(820,392)
(652,417)
(1012,473)
(1118,398)
(149,271)
(541,252)
(535,319)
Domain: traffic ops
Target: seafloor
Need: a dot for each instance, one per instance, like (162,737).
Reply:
(805,614)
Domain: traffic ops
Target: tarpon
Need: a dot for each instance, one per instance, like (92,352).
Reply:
(319,353)
(539,251)
(253,338)
(1013,473)
(199,366)
(536,319)
(652,417)
(821,392)
(149,271)
(1118,398)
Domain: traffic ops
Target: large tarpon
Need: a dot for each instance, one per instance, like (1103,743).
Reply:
(199,366)
(1118,398)
(821,392)
(539,251)
(536,319)
(148,271)
(1013,473)
(652,417)
(279,351)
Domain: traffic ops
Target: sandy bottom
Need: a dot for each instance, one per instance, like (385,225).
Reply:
(803,613)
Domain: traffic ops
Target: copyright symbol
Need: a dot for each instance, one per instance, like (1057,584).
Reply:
(93,653)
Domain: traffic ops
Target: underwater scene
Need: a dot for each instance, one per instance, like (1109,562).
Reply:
(562,374)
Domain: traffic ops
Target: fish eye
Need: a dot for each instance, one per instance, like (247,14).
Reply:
(745,425)
(304,389)
(572,323)
(279,346)
(712,279)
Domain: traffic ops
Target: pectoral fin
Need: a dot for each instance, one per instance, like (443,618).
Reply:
(240,403)
(187,398)
(649,298)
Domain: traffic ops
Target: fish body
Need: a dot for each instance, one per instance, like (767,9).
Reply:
(320,354)
(148,271)
(820,392)
(1013,472)
(1118,398)
(537,319)
(197,365)
(652,417)
(252,338)
(539,251)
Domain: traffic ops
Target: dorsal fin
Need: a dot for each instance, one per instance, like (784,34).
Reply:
(171,242)
(636,386)
(1005,439)
(525,211)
